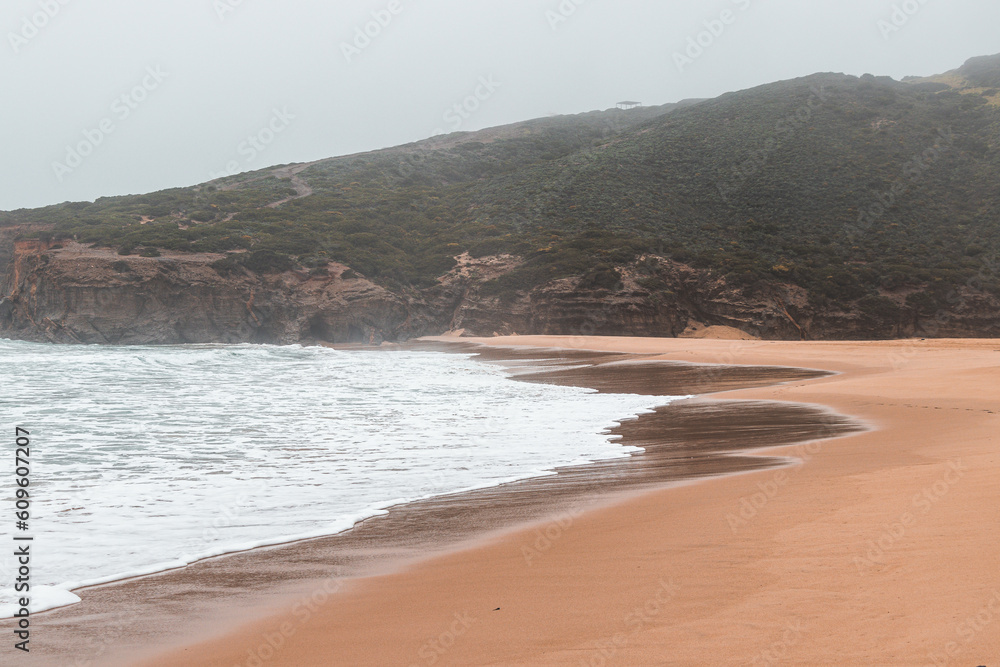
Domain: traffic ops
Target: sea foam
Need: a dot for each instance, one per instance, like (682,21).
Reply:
(150,458)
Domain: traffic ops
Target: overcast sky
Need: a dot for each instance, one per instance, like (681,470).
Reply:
(106,97)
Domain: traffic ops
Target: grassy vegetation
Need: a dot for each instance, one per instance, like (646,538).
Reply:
(846,187)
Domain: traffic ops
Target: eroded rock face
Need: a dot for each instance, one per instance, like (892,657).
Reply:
(86,295)
(78,294)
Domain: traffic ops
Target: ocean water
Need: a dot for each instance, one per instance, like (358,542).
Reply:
(149,458)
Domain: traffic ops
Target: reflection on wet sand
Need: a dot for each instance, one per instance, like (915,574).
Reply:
(684,440)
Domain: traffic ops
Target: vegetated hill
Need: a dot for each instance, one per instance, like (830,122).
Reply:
(393,214)
(827,207)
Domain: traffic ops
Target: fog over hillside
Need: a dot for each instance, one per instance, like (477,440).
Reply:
(121,97)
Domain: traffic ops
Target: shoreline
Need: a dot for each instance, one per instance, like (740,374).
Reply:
(587,486)
(663,576)
(536,373)
(73,588)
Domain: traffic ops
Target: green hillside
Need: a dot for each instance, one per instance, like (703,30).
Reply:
(856,189)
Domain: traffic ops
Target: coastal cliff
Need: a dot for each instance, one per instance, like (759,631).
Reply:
(70,293)
(825,207)
(77,294)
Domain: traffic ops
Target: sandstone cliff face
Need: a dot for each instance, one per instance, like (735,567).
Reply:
(681,298)
(86,295)
(78,294)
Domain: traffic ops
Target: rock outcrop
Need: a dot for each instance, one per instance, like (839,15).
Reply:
(76,294)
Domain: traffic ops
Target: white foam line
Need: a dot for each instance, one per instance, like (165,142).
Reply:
(48,598)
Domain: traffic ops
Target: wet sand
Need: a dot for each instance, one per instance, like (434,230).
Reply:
(686,440)
(880,549)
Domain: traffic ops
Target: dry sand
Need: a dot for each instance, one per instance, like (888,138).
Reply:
(882,548)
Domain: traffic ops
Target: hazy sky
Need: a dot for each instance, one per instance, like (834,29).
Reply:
(126,96)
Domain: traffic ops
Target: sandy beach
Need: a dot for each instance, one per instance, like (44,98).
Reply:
(878,548)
